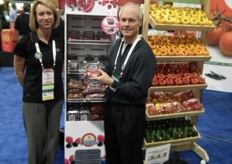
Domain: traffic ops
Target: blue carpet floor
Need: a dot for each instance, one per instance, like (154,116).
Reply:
(13,144)
(215,125)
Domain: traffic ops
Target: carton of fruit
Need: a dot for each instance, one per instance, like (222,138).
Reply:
(92,70)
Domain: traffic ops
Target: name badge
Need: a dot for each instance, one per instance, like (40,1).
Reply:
(48,84)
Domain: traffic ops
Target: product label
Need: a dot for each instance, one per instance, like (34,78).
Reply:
(93,70)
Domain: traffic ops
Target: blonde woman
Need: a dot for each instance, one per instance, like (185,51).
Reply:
(38,63)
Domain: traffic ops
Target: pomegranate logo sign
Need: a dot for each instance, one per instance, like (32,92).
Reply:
(89,139)
(110,25)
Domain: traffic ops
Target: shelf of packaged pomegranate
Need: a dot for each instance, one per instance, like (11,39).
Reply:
(173,115)
(163,105)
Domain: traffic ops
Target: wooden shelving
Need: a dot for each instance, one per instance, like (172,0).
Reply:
(158,26)
(173,115)
(183,58)
(184,143)
(177,88)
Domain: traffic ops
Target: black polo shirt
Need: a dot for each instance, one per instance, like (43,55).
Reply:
(32,89)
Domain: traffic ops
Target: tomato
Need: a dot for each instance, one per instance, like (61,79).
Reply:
(213,36)
(178,81)
(169,81)
(177,76)
(170,75)
(194,74)
(194,80)
(226,25)
(225,43)
(221,6)
(160,76)
(155,81)
(162,82)
(201,80)
(186,80)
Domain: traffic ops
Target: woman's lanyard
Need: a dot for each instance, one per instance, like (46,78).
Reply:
(127,57)
(39,55)
(47,74)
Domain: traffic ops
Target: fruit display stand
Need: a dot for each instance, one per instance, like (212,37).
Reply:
(186,143)
(86,47)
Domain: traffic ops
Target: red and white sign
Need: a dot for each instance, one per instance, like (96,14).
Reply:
(110,25)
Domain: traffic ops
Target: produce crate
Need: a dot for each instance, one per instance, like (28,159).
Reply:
(174,141)
(158,26)
(173,115)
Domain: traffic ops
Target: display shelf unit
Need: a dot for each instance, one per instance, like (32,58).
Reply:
(185,143)
(85,43)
